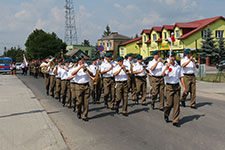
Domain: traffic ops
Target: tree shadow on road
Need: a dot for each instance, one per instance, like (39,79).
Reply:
(23,113)
(190,118)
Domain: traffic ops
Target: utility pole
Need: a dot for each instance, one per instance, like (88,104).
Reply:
(70,24)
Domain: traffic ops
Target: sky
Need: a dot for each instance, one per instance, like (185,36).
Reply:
(18,18)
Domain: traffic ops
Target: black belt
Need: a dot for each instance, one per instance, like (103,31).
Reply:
(83,83)
(51,75)
(73,83)
(173,84)
(65,80)
(58,78)
(189,74)
(140,76)
(121,81)
(108,77)
(158,76)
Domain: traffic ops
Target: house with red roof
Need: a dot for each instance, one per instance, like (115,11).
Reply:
(187,35)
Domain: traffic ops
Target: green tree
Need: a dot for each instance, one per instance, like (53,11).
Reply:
(86,43)
(208,48)
(221,48)
(136,36)
(15,53)
(107,31)
(40,44)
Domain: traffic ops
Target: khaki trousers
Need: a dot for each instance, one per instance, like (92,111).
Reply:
(173,97)
(95,91)
(57,88)
(109,89)
(52,85)
(132,85)
(66,91)
(190,84)
(158,88)
(141,88)
(73,87)
(47,81)
(83,97)
(122,94)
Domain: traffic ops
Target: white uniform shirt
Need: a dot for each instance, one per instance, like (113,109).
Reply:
(43,63)
(128,63)
(81,77)
(51,71)
(93,68)
(174,76)
(64,74)
(122,76)
(106,66)
(138,68)
(190,68)
(58,73)
(158,70)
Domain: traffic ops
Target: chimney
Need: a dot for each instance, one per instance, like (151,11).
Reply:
(115,33)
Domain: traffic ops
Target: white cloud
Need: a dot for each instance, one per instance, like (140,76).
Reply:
(151,19)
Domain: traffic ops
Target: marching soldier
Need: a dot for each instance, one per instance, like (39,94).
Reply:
(36,69)
(50,71)
(46,75)
(57,72)
(65,83)
(140,78)
(157,80)
(121,72)
(108,80)
(173,74)
(131,78)
(189,66)
(81,78)
(95,81)
(73,84)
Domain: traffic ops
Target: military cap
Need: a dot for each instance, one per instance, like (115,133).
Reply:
(139,57)
(188,50)
(108,55)
(66,61)
(126,56)
(173,54)
(74,60)
(59,60)
(80,57)
(94,58)
(155,52)
(130,54)
(119,58)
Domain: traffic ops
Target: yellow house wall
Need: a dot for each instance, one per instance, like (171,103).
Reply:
(190,42)
(144,48)
(130,48)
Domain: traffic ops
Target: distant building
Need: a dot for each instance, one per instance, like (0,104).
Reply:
(111,43)
(87,51)
(187,35)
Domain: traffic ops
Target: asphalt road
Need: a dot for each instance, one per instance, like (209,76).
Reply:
(143,129)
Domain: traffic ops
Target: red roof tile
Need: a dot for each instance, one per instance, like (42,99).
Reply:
(159,40)
(201,24)
(157,29)
(168,27)
(146,31)
(131,41)
(148,42)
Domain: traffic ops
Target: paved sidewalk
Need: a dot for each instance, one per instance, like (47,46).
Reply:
(24,124)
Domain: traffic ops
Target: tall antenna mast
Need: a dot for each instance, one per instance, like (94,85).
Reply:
(70,27)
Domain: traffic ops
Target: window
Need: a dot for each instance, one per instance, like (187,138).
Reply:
(203,34)
(154,37)
(177,33)
(122,51)
(219,33)
(144,38)
(109,44)
(165,35)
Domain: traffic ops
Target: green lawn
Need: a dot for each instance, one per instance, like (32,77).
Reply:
(212,78)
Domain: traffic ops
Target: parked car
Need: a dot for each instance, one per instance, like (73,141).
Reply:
(18,66)
(221,64)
